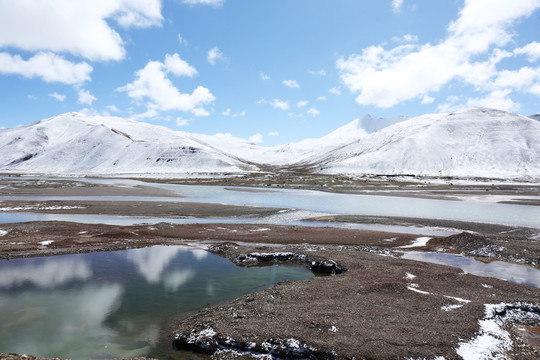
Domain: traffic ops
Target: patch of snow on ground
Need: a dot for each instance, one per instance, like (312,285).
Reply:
(46,242)
(26,208)
(450,307)
(333,329)
(260,229)
(409,276)
(458,299)
(418,242)
(487,286)
(3,232)
(493,341)
(418,291)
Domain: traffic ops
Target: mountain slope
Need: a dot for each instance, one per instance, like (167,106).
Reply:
(474,143)
(78,144)
(477,142)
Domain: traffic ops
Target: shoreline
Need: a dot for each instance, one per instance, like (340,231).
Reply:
(426,310)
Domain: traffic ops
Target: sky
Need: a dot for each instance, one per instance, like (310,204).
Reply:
(269,71)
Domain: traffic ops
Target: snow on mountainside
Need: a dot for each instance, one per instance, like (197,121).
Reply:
(535,117)
(293,152)
(474,143)
(79,144)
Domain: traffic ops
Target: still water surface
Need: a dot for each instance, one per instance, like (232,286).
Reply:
(112,304)
(328,203)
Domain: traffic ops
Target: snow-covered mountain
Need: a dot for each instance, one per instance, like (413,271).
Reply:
(535,117)
(74,143)
(474,143)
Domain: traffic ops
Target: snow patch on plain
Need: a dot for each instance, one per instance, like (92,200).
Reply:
(418,242)
(493,341)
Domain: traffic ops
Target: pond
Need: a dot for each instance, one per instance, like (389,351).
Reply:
(113,304)
(515,273)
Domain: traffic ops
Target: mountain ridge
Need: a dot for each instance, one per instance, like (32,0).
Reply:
(472,143)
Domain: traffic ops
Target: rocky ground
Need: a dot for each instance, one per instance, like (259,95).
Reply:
(369,304)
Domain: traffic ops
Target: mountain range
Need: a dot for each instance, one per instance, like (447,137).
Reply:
(477,142)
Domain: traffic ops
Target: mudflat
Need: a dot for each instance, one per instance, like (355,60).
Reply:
(378,306)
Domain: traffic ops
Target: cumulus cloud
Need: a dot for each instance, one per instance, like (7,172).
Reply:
(335,90)
(313,112)
(273,133)
(321,98)
(470,53)
(291,83)
(182,122)
(174,64)
(85,97)
(152,84)
(256,138)
(58,96)
(301,104)
(396,5)
(321,72)
(264,76)
(82,30)
(532,50)
(214,55)
(47,66)
(278,104)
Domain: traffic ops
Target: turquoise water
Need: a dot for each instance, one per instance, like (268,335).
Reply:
(113,304)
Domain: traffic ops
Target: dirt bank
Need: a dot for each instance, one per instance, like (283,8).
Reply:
(380,308)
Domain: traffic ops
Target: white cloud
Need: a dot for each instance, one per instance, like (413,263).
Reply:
(182,122)
(273,133)
(200,112)
(532,50)
(335,90)
(321,98)
(264,76)
(174,64)
(235,115)
(313,112)
(47,66)
(152,84)
(214,55)
(256,138)
(427,99)
(113,108)
(407,38)
(58,96)
(321,72)
(385,78)
(85,97)
(181,40)
(278,104)
(205,2)
(301,104)
(396,5)
(81,29)
(291,83)
(498,99)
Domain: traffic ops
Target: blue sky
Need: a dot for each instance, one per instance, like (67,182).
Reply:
(272,71)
